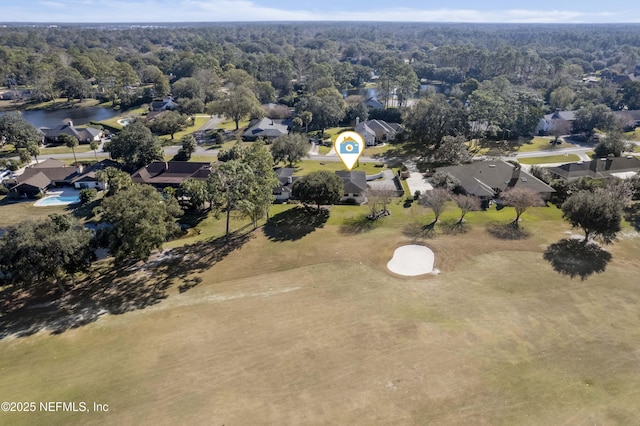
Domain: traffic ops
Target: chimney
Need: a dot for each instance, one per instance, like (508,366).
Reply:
(515,173)
(357,120)
(289,180)
(79,168)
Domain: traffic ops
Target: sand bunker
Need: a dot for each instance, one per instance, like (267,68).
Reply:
(411,260)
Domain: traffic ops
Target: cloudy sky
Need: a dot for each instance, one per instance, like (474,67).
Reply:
(541,11)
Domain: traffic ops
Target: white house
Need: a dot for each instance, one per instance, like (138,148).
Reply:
(377,131)
(557,120)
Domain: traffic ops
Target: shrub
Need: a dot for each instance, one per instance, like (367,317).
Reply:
(87,194)
(3,190)
(13,165)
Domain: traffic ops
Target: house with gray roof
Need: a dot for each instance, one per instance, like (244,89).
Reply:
(564,120)
(82,134)
(377,131)
(603,168)
(267,128)
(486,179)
(355,186)
(286,180)
(556,120)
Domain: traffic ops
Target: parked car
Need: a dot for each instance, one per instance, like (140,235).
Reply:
(5,174)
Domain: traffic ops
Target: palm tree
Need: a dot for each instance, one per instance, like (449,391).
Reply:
(70,142)
(94,146)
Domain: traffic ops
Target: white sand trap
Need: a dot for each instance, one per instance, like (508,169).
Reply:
(411,260)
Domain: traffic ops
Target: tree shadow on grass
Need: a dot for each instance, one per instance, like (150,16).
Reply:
(111,290)
(507,231)
(454,227)
(293,224)
(573,258)
(416,231)
(359,225)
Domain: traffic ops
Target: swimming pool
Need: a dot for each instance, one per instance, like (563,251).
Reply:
(57,200)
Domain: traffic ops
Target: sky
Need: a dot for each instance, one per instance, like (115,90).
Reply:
(487,11)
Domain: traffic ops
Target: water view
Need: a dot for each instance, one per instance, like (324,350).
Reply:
(79,116)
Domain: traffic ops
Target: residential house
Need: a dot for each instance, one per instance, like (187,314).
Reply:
(267,128)
(620,167)
(163,104)
(564,120)
(630,119)
(557,120)
(286,178)
(82,134)
(355,186)
(162,174)
(377,131)
(373,103)
(51,173)
(486,179)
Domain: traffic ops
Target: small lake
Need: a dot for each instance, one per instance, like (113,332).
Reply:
(79,116)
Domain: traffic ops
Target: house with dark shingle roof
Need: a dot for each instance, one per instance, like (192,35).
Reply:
(267,128)
(355,185)
(486,179)
(163,104)
(162,174)
(620,167)
(52,173)
(82,134)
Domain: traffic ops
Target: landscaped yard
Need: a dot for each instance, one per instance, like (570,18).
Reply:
(303,321)
(550,159)
(307,166)
(62,149)
(199,122)
(231,125)
(12,213)
(542,144)
(633,136)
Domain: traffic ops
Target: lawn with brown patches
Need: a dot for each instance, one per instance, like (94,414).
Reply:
(315,330)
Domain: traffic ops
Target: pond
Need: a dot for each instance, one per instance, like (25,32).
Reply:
(79,116)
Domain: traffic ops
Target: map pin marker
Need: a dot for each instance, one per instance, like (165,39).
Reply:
(349,146)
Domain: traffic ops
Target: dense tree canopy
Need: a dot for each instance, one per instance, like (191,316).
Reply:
(289,148)
(17,131)
(430,122)
(36,252)
(135,146)
(140,220)
(598,213)
(321,187)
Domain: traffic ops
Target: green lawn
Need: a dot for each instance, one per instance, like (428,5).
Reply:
(633,136)
(307,323)
(62,149)
(199,122)
(542,144)
(231,125)
(373,151)
(548,159)
(324,150)
(307,166)
(12,213)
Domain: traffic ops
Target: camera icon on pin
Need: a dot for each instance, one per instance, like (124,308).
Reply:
(349,146)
